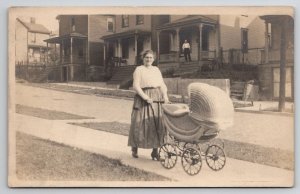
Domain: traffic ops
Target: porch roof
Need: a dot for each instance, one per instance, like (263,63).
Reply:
(187,21)
(126,34)
(67,36)
(37,46)
(276,18)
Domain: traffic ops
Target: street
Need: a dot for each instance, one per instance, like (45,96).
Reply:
(261,129)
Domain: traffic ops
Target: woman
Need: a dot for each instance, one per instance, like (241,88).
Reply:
(146,129)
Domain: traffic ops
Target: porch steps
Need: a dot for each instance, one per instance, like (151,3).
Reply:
(121,76)
(187,68)
(43,76)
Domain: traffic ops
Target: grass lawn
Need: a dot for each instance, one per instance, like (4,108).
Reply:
(44,160)
(47,114)
(234,149)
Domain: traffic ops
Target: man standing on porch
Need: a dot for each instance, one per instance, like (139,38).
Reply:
(186,47)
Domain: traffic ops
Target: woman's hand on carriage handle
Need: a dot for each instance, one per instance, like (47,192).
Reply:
(149,100)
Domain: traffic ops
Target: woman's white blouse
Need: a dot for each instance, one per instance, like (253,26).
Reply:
(148,77)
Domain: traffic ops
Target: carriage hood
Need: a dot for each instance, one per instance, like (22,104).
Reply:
(210,105)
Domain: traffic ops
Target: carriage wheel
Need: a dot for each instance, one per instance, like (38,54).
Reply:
(215,157)
(168,155)
(191,161)
(192,145)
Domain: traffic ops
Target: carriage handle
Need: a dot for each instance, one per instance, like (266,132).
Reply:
(156,123)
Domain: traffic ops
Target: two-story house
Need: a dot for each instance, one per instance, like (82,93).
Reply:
(81,49)
(30,48)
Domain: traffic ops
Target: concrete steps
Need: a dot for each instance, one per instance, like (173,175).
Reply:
(187,68)
(121,75)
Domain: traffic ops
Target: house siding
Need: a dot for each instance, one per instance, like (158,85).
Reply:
(65,24)
(21,43)
(132,24)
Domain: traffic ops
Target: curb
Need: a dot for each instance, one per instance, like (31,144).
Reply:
(264,112)
(129,94)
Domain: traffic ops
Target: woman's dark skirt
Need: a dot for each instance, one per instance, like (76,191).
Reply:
(146,130)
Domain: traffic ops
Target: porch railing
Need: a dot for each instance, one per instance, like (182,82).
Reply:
(168,57)
(208,54)
(76,59)
(253,56)
(274,55)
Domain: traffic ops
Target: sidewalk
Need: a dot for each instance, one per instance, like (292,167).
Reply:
(235,173)
(265,107)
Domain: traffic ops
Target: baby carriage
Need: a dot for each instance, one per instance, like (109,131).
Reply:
(191,130)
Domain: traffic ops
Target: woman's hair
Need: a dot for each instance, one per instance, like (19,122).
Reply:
(148,52)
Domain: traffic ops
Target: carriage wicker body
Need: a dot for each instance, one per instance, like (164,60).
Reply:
(192,129)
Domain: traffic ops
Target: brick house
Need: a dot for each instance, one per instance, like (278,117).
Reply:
(81,49)
(30,49)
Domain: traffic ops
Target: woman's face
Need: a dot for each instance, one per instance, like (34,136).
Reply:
(148,59)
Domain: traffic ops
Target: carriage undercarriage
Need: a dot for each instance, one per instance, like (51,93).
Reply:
(193,154)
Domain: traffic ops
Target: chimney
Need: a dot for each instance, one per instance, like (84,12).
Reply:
(32,20)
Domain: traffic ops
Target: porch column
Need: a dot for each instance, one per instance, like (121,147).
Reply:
(47,53)
(266,42)
(87,56)
(178,45)
(217,42)
(71,60)
(200,42)
(119,48)
(283,47)
(158,54)
(104,53)
(71,51)
(61,50)
(54,53)
(135,48)
(150,40)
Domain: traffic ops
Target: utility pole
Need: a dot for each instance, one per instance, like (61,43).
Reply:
(281,103)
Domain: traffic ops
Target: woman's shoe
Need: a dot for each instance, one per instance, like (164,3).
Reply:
(134,152)
(154,154)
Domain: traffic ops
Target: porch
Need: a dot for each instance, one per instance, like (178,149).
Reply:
(72,58)
(201,32)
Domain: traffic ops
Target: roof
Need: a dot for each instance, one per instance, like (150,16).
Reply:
(126,34)
(188,20)
(276,18)
(33,27)
(67,36)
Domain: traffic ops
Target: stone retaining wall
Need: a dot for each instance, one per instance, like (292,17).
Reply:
(179,86)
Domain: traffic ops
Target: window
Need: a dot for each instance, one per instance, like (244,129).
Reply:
(32,37)
(244,40)
(125,21)
(288,82)
(270,38)
(139,19)
(73,24)
(110,24)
